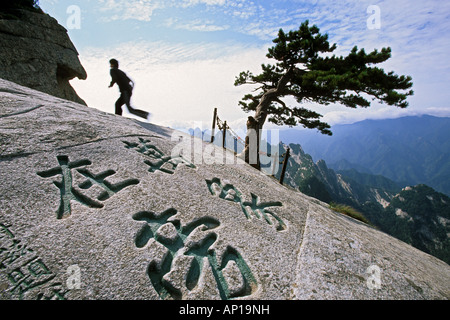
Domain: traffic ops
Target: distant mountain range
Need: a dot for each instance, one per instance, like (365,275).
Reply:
(409,150)
(417,215)
(382,168)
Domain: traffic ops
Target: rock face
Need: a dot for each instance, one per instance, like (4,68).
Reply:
(97,206)
(36,52)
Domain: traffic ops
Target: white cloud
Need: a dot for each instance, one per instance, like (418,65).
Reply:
(187,3)
(193,78)
(141,10)
(348,116)
(195,25)
(176,83)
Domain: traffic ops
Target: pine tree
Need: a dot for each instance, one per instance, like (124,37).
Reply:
(306,71)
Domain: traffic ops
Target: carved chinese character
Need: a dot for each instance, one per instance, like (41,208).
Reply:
(258,209)
(254,208)
(54,292)
(11,249)
(15,251)
(24,269)
(69,193)
(172,235)
(33,274)
(145,147)
(158,160)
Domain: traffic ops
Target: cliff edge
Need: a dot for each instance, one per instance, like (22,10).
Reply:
(36,52)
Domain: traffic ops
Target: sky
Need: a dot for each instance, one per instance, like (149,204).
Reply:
(184,55)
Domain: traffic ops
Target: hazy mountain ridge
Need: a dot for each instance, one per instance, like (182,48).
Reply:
(375,195)
(418,215)
(409,150)
(317,180)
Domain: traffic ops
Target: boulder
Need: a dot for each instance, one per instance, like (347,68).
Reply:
(98,206)
(37,53)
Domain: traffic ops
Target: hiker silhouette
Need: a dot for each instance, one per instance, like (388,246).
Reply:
(126,86)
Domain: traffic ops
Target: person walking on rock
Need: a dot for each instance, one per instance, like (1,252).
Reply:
(126,89)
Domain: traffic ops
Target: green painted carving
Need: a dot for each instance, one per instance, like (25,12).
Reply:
(145,147)
(199,250)
(258,208)
(158,160)
(250,208)
(68,193)
(26,272)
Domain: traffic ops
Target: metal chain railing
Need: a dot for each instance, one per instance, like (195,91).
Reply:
(224,127)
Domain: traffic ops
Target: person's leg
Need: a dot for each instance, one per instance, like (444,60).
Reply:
(136,112)
(126,98)
(119,104)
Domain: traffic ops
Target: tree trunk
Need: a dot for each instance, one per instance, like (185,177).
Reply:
(254,127)
(256,123)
